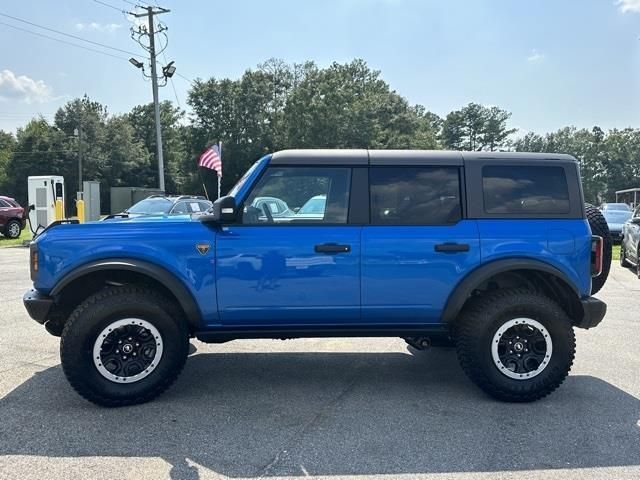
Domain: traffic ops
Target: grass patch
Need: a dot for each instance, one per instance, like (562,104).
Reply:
(12,242)
(615,252)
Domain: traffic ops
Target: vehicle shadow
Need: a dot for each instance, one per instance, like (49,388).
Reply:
(292,414)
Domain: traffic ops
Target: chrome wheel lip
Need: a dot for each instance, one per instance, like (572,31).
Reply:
(14,230)
(496,339)
(97,346)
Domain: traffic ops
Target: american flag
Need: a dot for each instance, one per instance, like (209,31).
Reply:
(211,158)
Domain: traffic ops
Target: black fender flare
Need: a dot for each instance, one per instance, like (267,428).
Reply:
(463,290)
(159,274)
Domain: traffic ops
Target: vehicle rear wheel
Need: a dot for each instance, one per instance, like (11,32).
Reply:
(623,256)
(516,345)
(599,227)
(123,346)
(12,229)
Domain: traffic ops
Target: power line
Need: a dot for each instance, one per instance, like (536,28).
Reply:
(63,41)
(67,34)
(110,6)
(185,78)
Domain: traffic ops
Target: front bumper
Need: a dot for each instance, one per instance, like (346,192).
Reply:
(37,305)
(594,311)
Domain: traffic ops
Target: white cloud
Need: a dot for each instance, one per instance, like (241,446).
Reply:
(23,88)
(98,27)
(535,56)
(628,6)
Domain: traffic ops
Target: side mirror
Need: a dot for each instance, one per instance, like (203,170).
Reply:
(223,210)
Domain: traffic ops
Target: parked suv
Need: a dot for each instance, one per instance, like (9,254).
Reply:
(492,251)
(12,217)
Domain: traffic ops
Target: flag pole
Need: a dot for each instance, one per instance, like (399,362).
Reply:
(220,176)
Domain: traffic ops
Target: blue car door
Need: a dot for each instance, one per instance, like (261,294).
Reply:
(283,264)
(418,245)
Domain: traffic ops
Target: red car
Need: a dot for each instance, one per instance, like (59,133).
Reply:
(13,217)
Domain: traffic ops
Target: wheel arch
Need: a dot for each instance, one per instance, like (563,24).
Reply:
(131,271)
(528,272)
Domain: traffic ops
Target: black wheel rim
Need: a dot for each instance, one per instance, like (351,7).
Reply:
(521,348)
(127,350)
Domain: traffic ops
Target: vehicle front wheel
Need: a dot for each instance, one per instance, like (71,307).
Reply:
(516,345)
(124,345)
(12,229)
(623,256)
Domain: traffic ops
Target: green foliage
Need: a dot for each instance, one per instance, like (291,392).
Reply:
(276,106)
(476,127)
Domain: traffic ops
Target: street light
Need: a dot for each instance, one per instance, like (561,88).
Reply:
(168,70)
(136,63)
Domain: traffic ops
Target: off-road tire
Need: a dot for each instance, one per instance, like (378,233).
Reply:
(481,320)
(10,230)
(624,263)
(94,315)
(599,227)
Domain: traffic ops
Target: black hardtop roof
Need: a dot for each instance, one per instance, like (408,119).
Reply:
(406,157)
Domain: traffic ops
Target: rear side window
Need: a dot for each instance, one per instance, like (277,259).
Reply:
(415,195)
(512,189)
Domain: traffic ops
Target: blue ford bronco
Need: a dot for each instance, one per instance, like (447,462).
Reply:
(495,253)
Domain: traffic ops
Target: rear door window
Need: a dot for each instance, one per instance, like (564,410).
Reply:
(415,195)
(509,189)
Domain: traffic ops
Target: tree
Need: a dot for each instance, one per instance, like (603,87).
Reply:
(476,127)
(176,159)
(7,147)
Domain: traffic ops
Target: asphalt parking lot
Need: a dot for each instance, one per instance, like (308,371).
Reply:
(339,408)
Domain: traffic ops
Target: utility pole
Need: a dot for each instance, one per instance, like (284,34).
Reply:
(151,33)
(78,134)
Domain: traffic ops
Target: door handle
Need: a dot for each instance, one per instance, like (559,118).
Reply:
(451,247)
(332,248)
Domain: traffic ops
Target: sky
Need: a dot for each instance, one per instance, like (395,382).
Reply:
(552,63)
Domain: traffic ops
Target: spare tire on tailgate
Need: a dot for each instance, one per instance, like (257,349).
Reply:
(599,227)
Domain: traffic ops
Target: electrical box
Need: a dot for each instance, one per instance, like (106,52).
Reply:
(46,199)
(91,197)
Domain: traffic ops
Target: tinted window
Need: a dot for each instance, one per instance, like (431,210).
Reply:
(415,195)
(522,190)
(180,207)
(286,195)
(4,204)
(151,206)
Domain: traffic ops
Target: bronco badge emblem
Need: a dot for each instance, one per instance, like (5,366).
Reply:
(203,248)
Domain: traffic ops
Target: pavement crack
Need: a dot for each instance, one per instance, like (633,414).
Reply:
(321,412)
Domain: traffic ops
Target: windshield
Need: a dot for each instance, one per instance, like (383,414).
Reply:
(616,216)
(233,192)
(314,205)
(617,206)
(151,206)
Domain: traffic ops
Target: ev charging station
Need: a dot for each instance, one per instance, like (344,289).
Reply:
(46,199)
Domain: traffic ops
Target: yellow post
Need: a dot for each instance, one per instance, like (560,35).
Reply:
(80,208)
(59,209)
